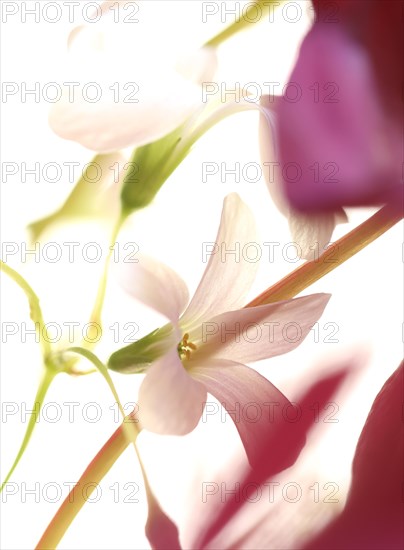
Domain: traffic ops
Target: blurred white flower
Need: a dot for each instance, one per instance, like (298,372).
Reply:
(123,91)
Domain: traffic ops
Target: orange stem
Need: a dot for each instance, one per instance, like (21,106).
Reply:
(340,251)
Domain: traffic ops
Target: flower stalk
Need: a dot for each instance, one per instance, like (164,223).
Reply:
(254,12)
(102,287)
(94,473)
(338,253)
(47,378)
(35,308)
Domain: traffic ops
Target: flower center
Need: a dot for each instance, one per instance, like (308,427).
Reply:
(185,348)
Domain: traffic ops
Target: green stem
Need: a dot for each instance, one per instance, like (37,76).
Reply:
(198,126)
(217,116)
(339,252)
(253,14)
(73,503)
(35,309)
(46,381)
(99,300)
(99,466)
(102,287)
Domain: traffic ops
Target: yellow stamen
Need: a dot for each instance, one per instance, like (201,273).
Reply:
(185,348)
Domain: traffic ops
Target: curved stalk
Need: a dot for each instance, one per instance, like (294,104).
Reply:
(46,381)
(99,365)
(35,309)
(99,301)
(99,467)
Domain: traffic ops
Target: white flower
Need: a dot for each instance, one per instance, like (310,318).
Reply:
(136,98)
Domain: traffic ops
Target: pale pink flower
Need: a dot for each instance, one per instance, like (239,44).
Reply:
(206,344)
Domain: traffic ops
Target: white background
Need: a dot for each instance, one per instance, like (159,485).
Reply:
(366,293)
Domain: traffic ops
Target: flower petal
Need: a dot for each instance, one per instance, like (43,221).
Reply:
(122,113)
(198,66)
(268,150)
(256,333)
(156,285)
(242,523)
(344,147)
(312,232)
(250,399)
(141,100)
(229,273)
(373,516)
(160,530)
(170,401)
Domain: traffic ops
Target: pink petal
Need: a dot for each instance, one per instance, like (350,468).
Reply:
(228,276)
(379,455)
(160,530)
(256,333)
(373,517)
(251,400)
(346,148)
(156,285)
(170,401)
(311,232)
(378,26)
(268,151)
(279,451)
